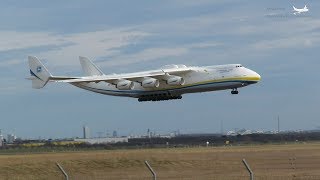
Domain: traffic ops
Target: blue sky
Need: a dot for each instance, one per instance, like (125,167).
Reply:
(128,36)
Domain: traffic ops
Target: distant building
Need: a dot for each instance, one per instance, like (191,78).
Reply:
(11,138)
(1,142)
(1,139)
(86,132)
(107,140)
(149,133)
(1,136)
(114,134)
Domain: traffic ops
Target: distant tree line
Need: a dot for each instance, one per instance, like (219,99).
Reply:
(190,140)
(218,140)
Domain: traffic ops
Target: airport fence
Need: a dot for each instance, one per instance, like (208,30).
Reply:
(283,169)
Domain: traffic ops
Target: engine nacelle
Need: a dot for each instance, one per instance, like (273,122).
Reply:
(175,80)
(150,83)
(125,85)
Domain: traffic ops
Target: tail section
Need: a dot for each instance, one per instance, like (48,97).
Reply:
(89,68)
(39,73)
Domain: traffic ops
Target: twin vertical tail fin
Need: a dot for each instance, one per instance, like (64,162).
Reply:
(39,73)
(89,68)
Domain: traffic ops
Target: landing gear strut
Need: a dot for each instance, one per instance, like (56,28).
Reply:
(235,91)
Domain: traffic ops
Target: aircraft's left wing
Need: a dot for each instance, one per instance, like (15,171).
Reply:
(40,76)
(106,78)
(136,77)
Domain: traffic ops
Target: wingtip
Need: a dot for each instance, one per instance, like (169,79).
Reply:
(81,58)
(32,57)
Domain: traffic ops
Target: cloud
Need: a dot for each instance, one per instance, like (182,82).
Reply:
(301,41)
(156,53)
(13,40)
(14,85)
(69,47)
(10,62)
(205,31)
(148,54)
(93,45)
(194,3)
(204,45)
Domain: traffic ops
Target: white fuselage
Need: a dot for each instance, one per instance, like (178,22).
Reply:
(167,83)
(298,11)
(199,79)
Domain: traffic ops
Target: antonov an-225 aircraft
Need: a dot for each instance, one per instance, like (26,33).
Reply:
(167,83)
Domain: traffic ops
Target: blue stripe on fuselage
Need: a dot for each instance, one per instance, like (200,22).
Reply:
(143,91)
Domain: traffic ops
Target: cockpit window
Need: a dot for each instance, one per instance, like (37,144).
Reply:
(238,66)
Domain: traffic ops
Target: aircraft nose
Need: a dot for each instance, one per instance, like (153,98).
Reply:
(257,76)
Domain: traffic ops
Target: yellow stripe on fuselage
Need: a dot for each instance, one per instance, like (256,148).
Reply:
(255,79)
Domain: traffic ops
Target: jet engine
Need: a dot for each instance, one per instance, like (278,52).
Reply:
(125,85)
(150,83)
(175,80)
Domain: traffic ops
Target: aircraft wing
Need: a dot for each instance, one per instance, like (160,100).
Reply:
(136,77)
(108,78)
(62,78)
(40,75)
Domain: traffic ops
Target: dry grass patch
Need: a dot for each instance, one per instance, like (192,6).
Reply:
(295,161)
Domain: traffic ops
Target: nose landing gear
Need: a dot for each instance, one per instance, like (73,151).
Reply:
(235,91)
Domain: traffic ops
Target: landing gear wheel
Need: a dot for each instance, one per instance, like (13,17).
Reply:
(234,91)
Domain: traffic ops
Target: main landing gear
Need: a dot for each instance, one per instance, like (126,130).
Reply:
(235,91)
(158,97)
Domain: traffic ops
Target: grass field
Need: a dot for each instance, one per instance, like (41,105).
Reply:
(294,161)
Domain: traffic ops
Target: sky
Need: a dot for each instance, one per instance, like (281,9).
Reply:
(127,36)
